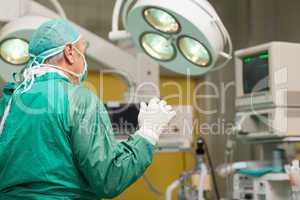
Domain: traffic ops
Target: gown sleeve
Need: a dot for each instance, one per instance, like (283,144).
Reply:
(108,166)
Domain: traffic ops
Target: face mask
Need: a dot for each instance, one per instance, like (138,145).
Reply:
(83,75)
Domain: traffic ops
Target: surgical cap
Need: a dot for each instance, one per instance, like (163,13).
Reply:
(49,39)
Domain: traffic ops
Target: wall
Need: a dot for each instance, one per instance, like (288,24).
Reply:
(166,167)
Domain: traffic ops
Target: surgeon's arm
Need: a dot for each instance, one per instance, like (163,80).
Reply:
(108,166)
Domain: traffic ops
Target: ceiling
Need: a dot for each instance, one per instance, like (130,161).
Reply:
(249,22)
(95,15)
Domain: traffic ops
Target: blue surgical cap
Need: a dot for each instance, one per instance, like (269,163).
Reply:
(49,40)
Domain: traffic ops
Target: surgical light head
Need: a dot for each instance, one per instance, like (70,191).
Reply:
(161,20)
(158,47)
(186,36)
(14,51)
(14,44)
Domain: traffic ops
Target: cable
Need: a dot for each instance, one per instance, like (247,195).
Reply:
(170,189)
(213,174)
(152,187)
(229,157)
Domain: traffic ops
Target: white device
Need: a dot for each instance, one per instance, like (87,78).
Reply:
(243,187)
(179,134)
(268,76)
(268,187)
(269,123)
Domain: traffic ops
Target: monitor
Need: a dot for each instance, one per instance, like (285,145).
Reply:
(267,76)
(256,73)
(124,118)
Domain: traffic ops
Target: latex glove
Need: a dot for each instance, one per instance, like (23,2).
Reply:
(153,118)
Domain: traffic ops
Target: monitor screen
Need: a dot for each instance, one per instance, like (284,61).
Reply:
(256,73)
(124,118)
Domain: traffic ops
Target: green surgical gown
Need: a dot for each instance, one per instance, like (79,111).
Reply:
(58,143)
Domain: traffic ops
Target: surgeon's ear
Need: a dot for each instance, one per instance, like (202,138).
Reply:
(68,53)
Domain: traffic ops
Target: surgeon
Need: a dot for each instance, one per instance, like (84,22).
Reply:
(56,139)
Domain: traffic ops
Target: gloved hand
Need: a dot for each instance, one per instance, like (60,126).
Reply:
(153,118)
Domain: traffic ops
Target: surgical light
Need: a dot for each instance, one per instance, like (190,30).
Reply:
(14,37)
(192,38)
(157,46)
(161,20)
(194,51)
(14,51)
